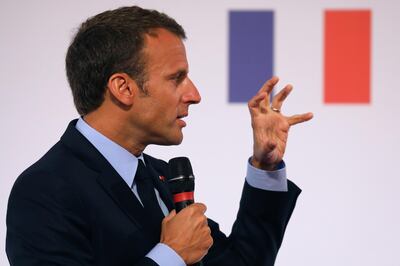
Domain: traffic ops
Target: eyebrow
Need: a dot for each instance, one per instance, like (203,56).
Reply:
(179,73)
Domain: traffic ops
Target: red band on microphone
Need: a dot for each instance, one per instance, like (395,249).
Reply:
(183,196)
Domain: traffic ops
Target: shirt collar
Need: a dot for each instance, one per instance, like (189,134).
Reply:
(124,162)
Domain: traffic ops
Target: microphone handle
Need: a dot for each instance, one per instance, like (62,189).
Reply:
(180,206)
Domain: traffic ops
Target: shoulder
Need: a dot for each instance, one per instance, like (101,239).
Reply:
(51,179)
(57,162)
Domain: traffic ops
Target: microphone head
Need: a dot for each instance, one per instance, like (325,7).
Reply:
(180,166)
(181,177)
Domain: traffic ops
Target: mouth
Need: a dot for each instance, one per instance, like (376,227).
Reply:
(180,119)
(182,116)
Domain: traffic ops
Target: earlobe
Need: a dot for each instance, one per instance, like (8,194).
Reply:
(121,87)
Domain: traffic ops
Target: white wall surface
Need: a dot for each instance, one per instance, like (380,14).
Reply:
(346,159)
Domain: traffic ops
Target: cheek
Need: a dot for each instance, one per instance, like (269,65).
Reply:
(168,105)
(163,113)
(165,103)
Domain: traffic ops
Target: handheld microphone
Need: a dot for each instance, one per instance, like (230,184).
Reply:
(181,184)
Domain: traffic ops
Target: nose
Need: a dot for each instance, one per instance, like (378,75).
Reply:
(192,95)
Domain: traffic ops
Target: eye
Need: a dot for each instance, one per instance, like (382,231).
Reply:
(179,77)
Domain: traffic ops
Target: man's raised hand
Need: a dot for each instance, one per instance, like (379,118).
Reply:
(270,126)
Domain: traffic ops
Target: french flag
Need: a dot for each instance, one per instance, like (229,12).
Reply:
(347,55)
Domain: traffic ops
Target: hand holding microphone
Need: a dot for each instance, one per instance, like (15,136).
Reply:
(186,232)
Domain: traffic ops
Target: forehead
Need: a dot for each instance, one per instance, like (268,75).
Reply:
(164,49)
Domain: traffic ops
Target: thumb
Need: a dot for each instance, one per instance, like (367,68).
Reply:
(271,145)
(170,216)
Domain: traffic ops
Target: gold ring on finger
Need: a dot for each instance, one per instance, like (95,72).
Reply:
(275,109)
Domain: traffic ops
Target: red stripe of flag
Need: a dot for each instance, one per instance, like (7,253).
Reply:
(347,56)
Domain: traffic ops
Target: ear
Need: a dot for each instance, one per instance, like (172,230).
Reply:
(123,88)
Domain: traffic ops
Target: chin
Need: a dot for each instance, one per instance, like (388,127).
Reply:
(177,141)
(171,140)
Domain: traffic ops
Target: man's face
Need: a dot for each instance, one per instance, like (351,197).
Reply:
(168,90)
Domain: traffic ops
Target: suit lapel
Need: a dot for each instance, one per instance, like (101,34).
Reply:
(108,178)
(119,191)
(111,181)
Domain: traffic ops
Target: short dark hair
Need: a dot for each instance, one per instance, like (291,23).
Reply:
(108,43)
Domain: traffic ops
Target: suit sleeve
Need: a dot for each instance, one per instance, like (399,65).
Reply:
(258,230)
(47,224)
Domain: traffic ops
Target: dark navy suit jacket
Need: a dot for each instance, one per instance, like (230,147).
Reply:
(72,208)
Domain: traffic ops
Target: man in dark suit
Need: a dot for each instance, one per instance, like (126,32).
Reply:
(96,199)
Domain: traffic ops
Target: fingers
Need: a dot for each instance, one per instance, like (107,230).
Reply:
(187,233)
(296,119)
(196,210)
(198,213)
(199,206)
(261,101)
(281,96)
(268,87)
(256,100)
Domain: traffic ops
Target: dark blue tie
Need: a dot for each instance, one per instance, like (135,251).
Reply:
(145,188)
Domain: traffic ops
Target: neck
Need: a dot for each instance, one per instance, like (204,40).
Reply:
(114,128)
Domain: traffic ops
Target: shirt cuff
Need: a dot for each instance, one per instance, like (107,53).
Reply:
(267,180)
(163,255)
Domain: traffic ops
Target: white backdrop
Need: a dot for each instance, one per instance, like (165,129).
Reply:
(345,159)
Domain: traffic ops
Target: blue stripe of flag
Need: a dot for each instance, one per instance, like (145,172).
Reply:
(251,52)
